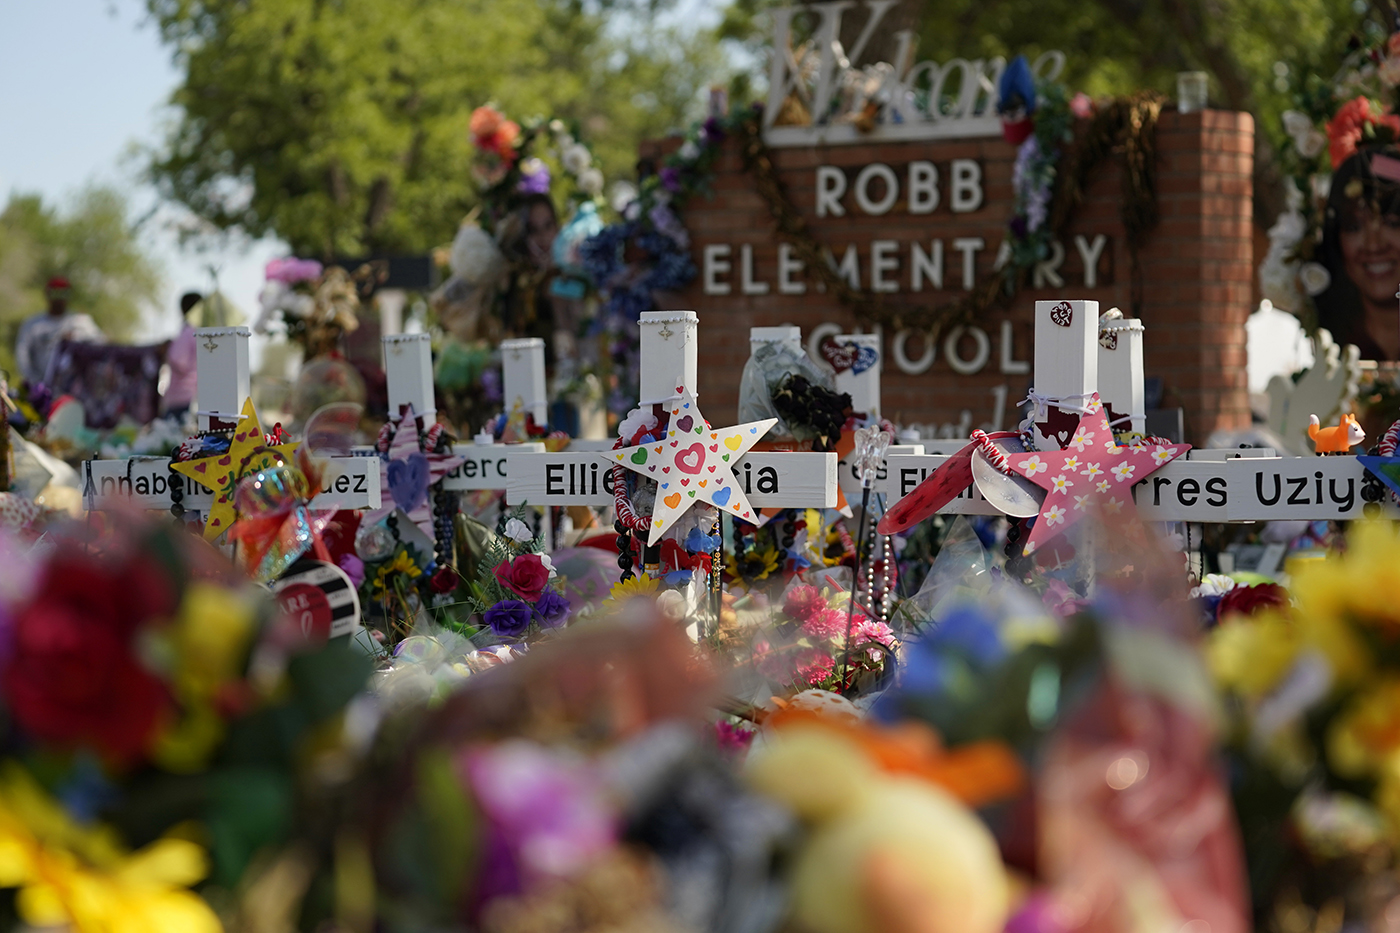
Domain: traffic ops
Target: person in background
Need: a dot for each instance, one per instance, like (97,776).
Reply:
(40,334)
(181,357)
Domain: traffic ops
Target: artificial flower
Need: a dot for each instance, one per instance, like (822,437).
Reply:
(291,270)
(1359,119)
(354,569)
(639,586)
(757,565)
(1314,278)
(802,601)
(443,580)
(1251,600)
(525,575)
(80,878)
(518,531)
(576,158)
(509,618)
(827,624)
(1307,139)
(590,182)
(72,675)
(401,563)
(551,609)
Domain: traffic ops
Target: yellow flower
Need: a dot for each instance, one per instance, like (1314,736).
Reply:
(71,876)
(1251,654)
(1366,736)
(640,585)
(209,644)
(401,563)
(759,564)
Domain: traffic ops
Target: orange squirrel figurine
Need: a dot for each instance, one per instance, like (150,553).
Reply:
(1336,440)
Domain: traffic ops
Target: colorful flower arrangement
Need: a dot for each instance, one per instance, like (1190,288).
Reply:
(517,591)
(1311,689)
(315,305)
(157,713)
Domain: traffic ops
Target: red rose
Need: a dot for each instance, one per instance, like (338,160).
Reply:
(443,580)
(526,575)
(1347,129)
(71,676)
(1250,600)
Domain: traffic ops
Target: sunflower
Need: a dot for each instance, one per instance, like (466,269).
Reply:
(757,565)
(401,563)
(640,586)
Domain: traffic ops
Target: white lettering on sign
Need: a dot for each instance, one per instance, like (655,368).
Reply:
(716,264)
(881,171)
(926,101)
(770,479)
(921,192)
(967,186)
(889,266)
(923,187)
(831,185)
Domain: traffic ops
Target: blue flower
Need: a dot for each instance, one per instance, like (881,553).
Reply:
(698,542)
(1016,90)
(509,618)
(551,609)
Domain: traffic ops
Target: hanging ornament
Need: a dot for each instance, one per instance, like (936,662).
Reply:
(248,453)
(692,463)
(1092,471)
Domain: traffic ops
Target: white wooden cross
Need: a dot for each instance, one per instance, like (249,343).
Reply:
(668,358)
(223,383)
(1221,485)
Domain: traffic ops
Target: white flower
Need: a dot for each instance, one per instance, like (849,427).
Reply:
(1163,455)
(576,158)
(1034,465)
(1214,584)
(556,126)
(1314,278)
(1071,464)
(1124,471)
(1102,485)
(1091,470)
(518,531)
(1060,484)
(1081,439)
(1081,503)
(1054,515)
(689,151)
(1308,140)
(590,181)
(549,565)
(623,194)
(1138,446)
(1113,507)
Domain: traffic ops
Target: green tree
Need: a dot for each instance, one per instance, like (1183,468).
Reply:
(341,125)
(93,244)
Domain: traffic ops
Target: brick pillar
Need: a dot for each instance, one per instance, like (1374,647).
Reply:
(1198,268)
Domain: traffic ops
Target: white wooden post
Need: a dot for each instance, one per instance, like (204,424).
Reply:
(668,349)
(408,372)
(1066,358)
(1120,371)
(864,386)
(222,376)
(522,368)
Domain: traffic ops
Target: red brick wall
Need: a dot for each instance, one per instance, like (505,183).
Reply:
(1198,267)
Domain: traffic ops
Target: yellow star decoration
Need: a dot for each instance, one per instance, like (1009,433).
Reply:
(248,453)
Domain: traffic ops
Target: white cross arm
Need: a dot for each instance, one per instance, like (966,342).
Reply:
(771,480)
(349,483)
(1239,489)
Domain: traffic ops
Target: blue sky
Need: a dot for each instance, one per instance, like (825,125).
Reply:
(86,84)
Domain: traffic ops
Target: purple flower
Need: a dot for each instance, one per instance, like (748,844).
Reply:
(551,609)
(534,177)
(671,178)
(354,569)
(667,223)
(491,385)
(509,618)
(712,132)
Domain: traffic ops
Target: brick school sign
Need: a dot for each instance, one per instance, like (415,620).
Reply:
(918,220)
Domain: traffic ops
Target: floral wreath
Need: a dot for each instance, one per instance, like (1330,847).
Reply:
(1330,122)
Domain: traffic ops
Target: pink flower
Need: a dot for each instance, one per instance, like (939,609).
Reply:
(732,738)
(871,630)
(1081,105)
(813,666)
(802,602)
(292,270)
(828,623)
